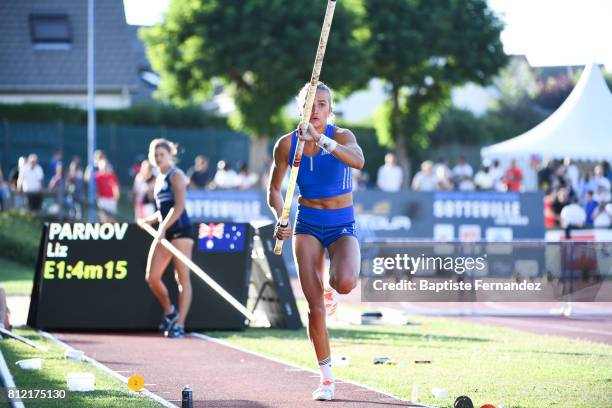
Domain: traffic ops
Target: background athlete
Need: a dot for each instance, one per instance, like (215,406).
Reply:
(325,218)
(170,189)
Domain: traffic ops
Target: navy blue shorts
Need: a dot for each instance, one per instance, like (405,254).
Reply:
(325,225)
(180,233)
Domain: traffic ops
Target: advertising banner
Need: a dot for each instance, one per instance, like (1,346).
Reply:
(441,216)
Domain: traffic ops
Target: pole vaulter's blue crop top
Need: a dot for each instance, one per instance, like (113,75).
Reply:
(321,175)
(164,198)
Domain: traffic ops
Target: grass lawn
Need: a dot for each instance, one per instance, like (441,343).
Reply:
(489,364)
(15,278)
(109,391)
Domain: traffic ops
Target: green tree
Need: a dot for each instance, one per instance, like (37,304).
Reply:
(521,104)
(261,50)
(553,92)
(457,126)
(608,78)
(510,120)
(516,82)
(422,48)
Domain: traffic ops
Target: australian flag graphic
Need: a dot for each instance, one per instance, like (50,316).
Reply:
(221,237)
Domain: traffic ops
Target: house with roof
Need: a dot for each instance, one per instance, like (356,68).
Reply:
(43,54)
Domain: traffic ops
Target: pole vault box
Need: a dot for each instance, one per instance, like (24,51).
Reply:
(91,276)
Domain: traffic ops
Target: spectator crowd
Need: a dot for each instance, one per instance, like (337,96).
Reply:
(26,182)
(440,176)
(575,196)
(25,186)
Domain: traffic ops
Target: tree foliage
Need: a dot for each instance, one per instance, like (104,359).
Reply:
(553,92)
(608,79)
(510,120)
(423,48)
(261,50)
(516,81)
(458,126)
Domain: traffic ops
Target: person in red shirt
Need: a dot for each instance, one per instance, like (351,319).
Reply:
(107,187)
(550,217)
(513,177)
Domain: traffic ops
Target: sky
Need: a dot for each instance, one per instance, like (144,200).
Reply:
(548,32)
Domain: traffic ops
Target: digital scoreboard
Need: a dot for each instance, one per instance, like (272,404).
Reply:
(91,276)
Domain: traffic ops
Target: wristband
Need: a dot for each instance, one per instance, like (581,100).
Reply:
(279,225)
(327,144)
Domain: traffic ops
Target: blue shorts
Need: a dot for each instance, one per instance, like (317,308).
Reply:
(180,233)
(325,225)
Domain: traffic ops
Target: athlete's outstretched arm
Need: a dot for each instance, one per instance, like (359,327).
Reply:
(279,168)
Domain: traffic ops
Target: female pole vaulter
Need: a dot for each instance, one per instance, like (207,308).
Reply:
(325,217)
(170,189)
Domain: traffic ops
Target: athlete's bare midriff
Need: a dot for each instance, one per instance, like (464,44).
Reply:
(328,203)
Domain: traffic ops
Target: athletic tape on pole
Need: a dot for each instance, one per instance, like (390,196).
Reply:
(198,271)
(312,90)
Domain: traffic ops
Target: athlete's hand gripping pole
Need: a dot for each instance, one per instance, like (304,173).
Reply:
(312,90)
(195,268)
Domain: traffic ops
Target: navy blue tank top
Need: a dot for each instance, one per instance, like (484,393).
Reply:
(164,198)
(322,175)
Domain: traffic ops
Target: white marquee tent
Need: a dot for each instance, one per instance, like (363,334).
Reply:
(581,128)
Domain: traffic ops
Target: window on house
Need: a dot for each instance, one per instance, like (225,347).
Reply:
(50,31)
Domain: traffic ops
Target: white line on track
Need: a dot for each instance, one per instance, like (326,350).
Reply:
(295,366)
(97,364)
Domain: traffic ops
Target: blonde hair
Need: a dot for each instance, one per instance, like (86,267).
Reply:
(166,144)
(301,98)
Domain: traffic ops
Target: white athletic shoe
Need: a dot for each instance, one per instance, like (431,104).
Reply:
(330,300)
(325,392)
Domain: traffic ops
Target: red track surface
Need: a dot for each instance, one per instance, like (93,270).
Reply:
(590,321)
(220,376)
(597,329)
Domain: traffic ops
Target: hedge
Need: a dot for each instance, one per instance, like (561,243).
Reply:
(20,236)
(145,114)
